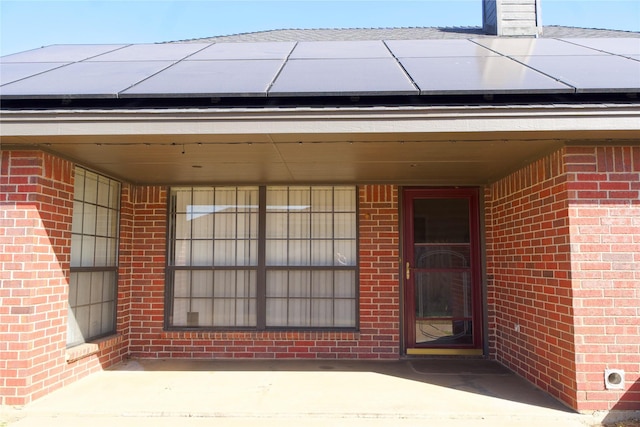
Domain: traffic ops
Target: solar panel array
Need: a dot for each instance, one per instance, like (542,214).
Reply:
(344,68)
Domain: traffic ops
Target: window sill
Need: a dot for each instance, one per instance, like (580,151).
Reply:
(89,349)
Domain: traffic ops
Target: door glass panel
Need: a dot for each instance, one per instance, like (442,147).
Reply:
(441,221)
(442,256)
(441,277)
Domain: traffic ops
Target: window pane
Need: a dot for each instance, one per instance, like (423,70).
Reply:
(225,225)
(225,252)
(202,284)
(90,188)
(107,317)
(322,312)
(322,226)
(73,289)
(322,199)
(202,227)
(277,283)
(180,309)
(201,313)
(225,284)
(345,199)
(299,284)
(322,252)
(276,312)
(276,252)
(96,287)
(182,226)
(182,198)
(299,312)
(247,252)
(181,281)
(345,312)
(78,184)
(345,226)
(78,215)
(102,252)
(89,220)
(202,252)
(277,225)
(345,252)
(345,284)
(76,250)
(103,191)
(322,284)
(299,225)
(299,253)
(182,254)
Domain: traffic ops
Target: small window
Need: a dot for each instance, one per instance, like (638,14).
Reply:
(262,257)
(94,256)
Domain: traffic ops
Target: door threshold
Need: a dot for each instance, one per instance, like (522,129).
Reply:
(444,352)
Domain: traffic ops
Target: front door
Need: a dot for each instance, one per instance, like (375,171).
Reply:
(442,292)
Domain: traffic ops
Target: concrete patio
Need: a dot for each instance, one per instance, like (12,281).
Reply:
(311,393)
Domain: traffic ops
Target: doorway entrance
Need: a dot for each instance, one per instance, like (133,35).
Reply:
(442,289)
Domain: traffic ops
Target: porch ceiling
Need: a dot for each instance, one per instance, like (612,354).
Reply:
(417,147)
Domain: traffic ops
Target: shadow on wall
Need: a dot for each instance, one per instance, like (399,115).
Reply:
(626,412)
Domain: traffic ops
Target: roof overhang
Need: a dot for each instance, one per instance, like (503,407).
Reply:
(443,145)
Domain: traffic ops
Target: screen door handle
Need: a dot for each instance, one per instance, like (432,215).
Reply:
(408,271)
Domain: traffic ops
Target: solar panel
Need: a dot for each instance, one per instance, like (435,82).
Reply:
(477,75)
(258,50)
(19,70)
(535,47)
(606,73)
(61,53)
(84,79)
(371,76)
(620,46)
(340,50)
(436,48)
(152,52)
(210,78)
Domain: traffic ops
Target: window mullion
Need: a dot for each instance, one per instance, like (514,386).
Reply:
(261,290)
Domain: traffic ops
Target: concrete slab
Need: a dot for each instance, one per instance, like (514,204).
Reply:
(286,393)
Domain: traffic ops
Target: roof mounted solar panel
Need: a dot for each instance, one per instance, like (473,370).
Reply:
(535,47)
(593,74)
(151,52)
(61,53)
(340,50)
(347,77)
(14,71)
(83,80)
(210,78)
(258,50)
(436,48)
(478,75)
(621,46)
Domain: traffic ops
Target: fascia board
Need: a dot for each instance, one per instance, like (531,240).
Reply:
(322,121)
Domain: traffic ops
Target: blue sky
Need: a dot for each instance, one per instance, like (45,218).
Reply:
(28,24)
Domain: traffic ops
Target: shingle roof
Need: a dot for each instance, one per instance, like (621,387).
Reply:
(406,33)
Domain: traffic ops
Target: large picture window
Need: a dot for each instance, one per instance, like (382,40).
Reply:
(94,249)
(262,257)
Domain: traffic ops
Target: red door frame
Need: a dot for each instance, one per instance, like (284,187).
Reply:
(408,196)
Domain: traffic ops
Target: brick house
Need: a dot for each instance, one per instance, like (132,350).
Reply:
(323,198)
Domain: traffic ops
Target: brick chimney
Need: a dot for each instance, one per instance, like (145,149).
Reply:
(512,17)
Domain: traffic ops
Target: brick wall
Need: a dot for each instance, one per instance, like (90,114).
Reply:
(529,279)
(604,215)
(36,202)
(378,337)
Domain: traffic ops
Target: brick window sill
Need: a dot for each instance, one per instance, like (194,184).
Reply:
(89,349)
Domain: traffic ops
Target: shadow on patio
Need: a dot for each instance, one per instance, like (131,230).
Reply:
(398,393)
